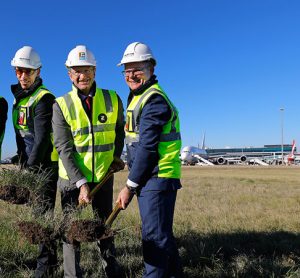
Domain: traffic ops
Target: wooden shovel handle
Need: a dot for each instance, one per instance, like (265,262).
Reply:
(97,187)
(101,183)
(113,215)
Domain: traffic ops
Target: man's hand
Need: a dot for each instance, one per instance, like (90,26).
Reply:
(84,194)
(124,197)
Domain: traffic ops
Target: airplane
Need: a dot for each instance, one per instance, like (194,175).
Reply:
(193,155)
(290,159)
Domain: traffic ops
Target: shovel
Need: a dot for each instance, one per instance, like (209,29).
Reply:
(116,166)
(113,215)
(111,218)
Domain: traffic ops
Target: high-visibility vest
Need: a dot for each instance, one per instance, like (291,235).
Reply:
(93,139)
(23,118)
(170,140)
(1,138)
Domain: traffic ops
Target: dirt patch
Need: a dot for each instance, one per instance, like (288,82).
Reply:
(79,230)
(34,232)
(87,231)
(14,194)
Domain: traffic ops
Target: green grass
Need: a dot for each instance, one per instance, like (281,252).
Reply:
(229,222)
(23,178)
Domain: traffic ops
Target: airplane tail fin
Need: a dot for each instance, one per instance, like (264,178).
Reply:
(293,147)
(291,156)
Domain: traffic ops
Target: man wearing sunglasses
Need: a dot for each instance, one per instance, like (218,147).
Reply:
(88,126)
(153,145)
(32,114)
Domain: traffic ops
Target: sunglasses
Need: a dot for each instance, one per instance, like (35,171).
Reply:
(26,71)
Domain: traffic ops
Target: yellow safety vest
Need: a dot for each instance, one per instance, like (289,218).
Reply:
(170,140)
(93,140)
(23,112)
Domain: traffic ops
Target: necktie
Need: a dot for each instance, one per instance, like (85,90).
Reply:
(88,103)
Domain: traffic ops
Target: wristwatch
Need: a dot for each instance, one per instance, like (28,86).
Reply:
(131,189)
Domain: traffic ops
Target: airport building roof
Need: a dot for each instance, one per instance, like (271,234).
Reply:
(287,148)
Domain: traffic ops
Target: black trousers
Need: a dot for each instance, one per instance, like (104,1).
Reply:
(102,207)
(47,256)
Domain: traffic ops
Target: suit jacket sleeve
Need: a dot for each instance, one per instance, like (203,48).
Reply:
(155,114)
(120,133)
(42,130)
(64,143)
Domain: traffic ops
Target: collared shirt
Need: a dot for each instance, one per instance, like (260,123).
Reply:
(143,156)
(83,98)
(64,142)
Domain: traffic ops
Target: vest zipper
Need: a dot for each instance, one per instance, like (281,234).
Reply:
(93,142)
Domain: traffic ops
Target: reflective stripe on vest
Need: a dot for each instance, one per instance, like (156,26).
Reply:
(93,141)
(170,140)
(24,112)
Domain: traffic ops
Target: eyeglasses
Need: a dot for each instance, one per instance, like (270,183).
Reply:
(26,71)
(136,71)
(77,72)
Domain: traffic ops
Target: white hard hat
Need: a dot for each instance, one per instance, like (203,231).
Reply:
(80,56)
(26,57)
(137,52)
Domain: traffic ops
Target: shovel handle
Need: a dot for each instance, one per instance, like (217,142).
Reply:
(117,165)
(98,186)
(101,183)
(113,215)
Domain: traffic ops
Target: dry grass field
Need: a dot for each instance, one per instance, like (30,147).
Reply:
(229,222)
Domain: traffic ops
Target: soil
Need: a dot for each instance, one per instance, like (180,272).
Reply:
(80,230)
(34,232)
(14,194)
(87,231)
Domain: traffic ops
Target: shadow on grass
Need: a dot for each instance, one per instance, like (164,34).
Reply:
(10,265)
(240,254)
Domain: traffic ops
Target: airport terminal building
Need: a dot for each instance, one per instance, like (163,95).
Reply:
(263,151)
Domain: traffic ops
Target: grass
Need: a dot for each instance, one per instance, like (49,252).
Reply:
(23,178)
(229,222)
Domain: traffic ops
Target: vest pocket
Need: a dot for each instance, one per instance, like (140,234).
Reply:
(22,116)
(129,126)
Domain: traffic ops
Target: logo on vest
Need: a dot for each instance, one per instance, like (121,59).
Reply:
(22,116)
(102,118)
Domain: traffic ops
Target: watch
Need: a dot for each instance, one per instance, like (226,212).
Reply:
(131,189)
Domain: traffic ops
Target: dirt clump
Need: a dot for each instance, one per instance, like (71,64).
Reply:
(87,231)
(15,194)
(34,232)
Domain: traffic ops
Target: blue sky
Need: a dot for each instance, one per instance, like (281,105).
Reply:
(228,65)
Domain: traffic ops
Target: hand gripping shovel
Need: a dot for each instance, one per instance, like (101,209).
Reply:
(116,166)
(111,218)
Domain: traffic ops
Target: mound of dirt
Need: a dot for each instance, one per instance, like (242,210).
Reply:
(87,231)
(34,232)
(14,194)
